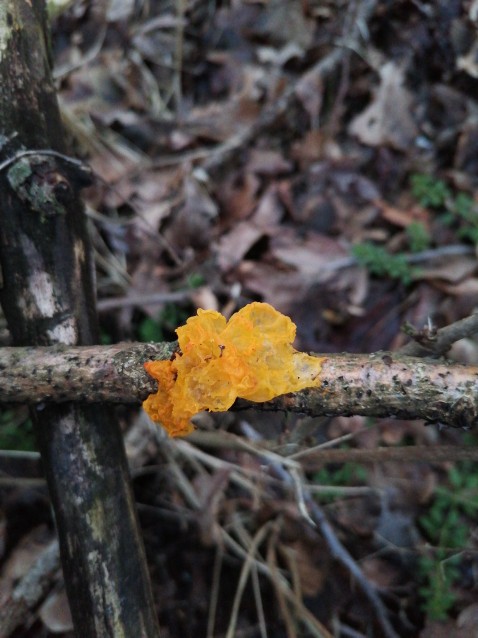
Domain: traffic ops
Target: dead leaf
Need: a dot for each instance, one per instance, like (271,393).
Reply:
(190,224)
(469,62)
(311,256)
(268,162)
(403,217)
(447,629)
(275,15)
(280,287)
(467,288)
(205,298)
(388,120)
(380,572)
(309,90)
(238,195)
(55,613)
(234,245)
(468,620)
(452,269)
(269,211)
(308,566)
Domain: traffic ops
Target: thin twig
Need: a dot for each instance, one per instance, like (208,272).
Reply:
(155,298)
(30,591)
(340,553)
(244,575)
(444,338)
(47,152)
(312,623)
(216,580)
(406,454)
(338,550)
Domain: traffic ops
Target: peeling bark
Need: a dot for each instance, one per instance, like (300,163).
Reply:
(381,384)
(48,298)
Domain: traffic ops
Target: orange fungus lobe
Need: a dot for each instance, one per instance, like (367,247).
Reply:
(250,357)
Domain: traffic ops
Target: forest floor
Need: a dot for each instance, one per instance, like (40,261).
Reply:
(320,156)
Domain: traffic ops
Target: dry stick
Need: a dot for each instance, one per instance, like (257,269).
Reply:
(406,454)
(311,622)
(380,384)
(30,591)
(48,297)
(113,303)
(310,458)
(439,344)
(343,556)
(339,552)
(244,575)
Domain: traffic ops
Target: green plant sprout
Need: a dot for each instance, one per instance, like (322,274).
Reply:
(381,263)
(429,191)
(457,208)
(446,528)
(417,236)
(170,317)
(343,476)
(153,329)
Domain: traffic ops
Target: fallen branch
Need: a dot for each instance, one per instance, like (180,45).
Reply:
(30,591)
(430,343)
(380,384)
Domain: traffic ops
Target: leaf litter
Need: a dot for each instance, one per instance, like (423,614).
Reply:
(241,150)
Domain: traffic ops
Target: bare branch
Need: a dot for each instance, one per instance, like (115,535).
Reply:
(436,345)
(31,590)
(381,384)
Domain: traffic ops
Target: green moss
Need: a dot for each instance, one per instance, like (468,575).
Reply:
(19,173)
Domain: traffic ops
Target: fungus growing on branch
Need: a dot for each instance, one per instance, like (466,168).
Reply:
(249,357)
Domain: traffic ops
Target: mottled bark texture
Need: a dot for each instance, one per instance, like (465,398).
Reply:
(48,298)
(381,384)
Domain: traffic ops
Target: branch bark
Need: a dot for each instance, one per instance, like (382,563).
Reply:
(48,297)
(381,384)
(437,344)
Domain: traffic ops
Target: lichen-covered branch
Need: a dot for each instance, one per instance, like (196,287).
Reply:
(48,297)
(382,384)
(388,384)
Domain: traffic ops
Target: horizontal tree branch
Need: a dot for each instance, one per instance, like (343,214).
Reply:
(380,384)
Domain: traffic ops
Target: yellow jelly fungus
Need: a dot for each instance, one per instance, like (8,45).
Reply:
(250,356)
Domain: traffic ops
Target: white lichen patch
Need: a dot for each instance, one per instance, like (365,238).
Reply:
(41,289)
(5,29)
(95,519)
(79,251)
(64,332)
